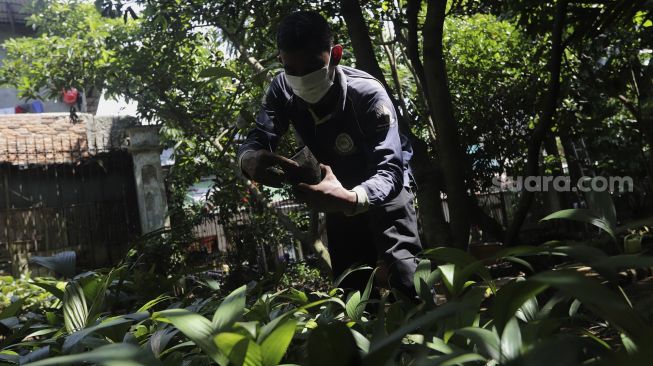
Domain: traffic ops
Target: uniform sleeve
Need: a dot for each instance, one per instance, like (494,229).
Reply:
(271,122)
(382,132)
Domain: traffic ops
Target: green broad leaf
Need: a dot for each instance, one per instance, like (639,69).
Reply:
(585,216)
(547,308)
(152,303)
(296,296)
(95,289)
(368,288)
(75,310)
(230,310)
(251,327)
(449,276)
(528,311)
(361,341)
(520,262)
(159,340)
(51,317)
(217,72)
(599,299)
(51,288)
(347,272)
(110,355)
(196,327)
(456,277)
(530,308)
(41,332)
(274,347)
(573,309)
(517,251)
(511,341)
(582,253)
(487,342)
(468,315)
(352,306)
(62,263)
(9,357)
(176,347)
(449,255)
(76,337)
(612,265)
(35,355)
(563,350)
(355,306)
(382,348)
(269,327)
(440,345)
(424,279)
(629,345)
(12,309)
(239,349)
(510,298)
(332,344)
(454,359)
(422,272)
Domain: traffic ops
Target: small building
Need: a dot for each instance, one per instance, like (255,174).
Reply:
(90,186)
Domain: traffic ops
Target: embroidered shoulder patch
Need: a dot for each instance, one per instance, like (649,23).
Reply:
(384,116)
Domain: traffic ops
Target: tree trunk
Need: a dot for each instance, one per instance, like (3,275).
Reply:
(545,123)
(434,227)
(575,167)
(435,230)
(556,200)
(451,154)
(645,103)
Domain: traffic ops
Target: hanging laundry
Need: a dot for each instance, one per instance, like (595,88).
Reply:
(37,106)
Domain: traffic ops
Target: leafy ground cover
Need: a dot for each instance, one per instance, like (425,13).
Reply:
(562,303)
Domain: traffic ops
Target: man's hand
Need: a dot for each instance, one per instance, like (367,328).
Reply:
(328,195)
(267,168)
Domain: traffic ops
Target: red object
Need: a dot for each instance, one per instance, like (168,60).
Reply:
(70,96)
(336,53)
(20,109)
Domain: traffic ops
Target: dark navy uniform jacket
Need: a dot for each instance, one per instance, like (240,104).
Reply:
(360,142)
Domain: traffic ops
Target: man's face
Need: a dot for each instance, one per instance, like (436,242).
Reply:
(302,62)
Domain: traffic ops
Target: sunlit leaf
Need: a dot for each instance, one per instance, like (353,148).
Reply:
(230,310)
(585,216)
(275,345)
(75,310)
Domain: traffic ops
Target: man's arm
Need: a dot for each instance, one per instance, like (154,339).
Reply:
(255,154)
(382,131)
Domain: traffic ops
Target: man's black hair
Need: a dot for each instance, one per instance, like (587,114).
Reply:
(304,30)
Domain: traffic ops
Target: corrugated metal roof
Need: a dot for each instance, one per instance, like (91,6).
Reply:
(15,11)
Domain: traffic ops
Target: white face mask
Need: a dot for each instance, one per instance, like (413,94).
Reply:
(314,86)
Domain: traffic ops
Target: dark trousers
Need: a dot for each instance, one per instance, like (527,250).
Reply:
(385,233)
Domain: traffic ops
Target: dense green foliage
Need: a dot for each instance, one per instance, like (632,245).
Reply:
(107,317)
(508,88)
(69,50)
